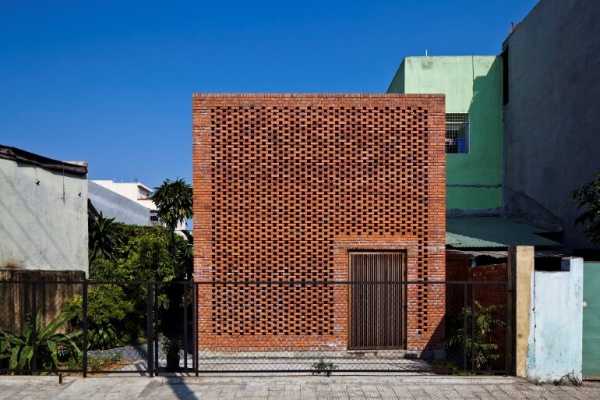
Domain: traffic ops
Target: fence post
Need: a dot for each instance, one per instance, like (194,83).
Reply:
(465,327)
(195,329)
(150,329)
(34,319)
(510,341)
(84,361)
(185,325)
(156,335)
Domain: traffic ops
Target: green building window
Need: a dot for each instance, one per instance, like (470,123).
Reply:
(457,133)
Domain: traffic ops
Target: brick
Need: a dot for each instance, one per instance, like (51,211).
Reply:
(286,185)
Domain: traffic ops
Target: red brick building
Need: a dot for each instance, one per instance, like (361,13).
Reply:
(318,188)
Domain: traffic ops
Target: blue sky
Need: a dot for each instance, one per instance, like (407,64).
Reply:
(110,82)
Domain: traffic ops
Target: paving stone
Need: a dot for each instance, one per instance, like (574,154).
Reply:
(290,388)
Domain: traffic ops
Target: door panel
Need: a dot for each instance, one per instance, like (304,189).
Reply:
(377,300)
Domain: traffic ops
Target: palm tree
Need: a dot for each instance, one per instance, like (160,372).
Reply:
(103,235)
(173,201)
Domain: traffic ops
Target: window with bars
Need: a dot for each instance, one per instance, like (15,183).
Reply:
(457,133)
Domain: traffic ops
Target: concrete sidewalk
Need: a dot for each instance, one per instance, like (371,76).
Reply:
(288,388)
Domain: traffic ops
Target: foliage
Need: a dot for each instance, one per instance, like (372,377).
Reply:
(479,345)
(47,343)
(323,367)
(116,312)
(173,200)
(588,199)
(445,367)
(108,309)
(142,255)
(103,237)
(95,362)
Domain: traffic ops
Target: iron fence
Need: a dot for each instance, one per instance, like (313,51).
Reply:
(225,327)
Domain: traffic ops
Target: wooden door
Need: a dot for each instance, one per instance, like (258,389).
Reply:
(377,298)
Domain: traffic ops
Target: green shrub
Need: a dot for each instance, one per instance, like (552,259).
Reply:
(108,310)
(48,344)
(479,344)
(116,312)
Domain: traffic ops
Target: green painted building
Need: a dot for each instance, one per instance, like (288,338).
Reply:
(473,89)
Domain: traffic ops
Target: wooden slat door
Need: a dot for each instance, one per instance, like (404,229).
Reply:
(376,308)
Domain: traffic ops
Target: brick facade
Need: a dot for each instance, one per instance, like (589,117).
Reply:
(286,185)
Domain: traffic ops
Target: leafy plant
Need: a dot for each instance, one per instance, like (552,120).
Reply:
(108,309)
(47,344)
(102,235)
(323,367)
(588,199)
(479,345)
(173,200)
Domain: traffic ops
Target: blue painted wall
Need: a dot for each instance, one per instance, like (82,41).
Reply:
(556,324)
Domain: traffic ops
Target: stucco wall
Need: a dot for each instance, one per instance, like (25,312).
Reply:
(113,205)
(471,84)
(556,328)
(552,121)
(43,219)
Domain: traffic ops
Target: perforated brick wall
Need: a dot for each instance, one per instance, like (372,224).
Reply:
(286,185)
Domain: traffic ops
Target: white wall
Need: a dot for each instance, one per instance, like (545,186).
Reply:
(114,205)
(43,219)
(556,324)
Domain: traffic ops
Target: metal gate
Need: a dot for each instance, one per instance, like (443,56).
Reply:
(377,299)
(591,320)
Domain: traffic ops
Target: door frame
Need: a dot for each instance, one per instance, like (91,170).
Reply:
(404,298)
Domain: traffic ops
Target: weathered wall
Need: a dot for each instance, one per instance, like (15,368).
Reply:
(555,339)
(113,205)
(35,293)
(286,185)
(552,119)
(43,219)
(471,84)
(522,265)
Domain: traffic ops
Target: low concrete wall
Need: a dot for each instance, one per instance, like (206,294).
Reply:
(556,328)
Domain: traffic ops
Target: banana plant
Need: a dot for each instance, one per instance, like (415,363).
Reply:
(46,343)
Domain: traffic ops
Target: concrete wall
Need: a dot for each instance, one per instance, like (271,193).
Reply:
(552,121)
(556,328)
(471,84)
(113,205)
(43,219)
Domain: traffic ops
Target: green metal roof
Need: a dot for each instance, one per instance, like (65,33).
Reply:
(492,232)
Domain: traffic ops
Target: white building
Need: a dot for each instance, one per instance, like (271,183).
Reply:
(127,202)
(43,213)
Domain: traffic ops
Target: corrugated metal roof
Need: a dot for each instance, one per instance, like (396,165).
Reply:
(25,157)
(492,232)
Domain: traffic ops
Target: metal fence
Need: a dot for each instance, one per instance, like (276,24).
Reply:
(307,327)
